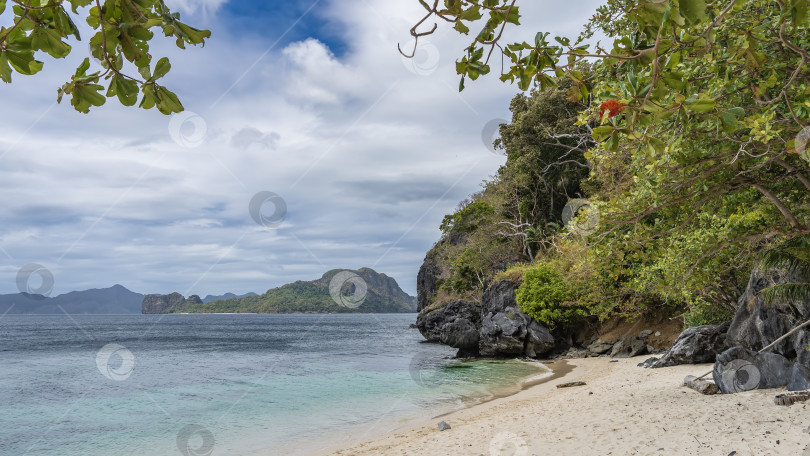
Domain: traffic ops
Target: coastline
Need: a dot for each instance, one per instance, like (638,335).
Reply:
(623,410)
(332,441)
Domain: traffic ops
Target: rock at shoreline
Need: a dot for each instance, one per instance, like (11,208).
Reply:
(505,330)
(443,426)
(739,369)
(455,324)
(700,344)
(496,327)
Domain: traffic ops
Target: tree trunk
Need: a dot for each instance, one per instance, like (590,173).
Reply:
(791,219)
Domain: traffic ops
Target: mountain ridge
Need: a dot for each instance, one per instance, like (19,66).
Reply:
(116,299)
(337,291)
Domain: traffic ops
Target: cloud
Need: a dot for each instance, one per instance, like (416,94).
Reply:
(194,6)
(367,150)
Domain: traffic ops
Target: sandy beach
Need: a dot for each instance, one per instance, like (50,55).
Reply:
(623,410)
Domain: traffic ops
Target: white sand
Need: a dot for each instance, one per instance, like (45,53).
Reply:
(623,410)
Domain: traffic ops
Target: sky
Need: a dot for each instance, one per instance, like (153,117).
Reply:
(308,144)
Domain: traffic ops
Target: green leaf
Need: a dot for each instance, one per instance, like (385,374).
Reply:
(701,105)
(5,70)
(167,101)
(601,133)
(693,10)
(76,4)
(161,68)
(461,28)
(190,34)
(799,12)
(656,145)
(729,122)
(471,14)
(48,40)
(125,89)
(674,79)
(23,62)
(85,96)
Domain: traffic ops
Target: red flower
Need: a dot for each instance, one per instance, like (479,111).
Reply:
(612,106)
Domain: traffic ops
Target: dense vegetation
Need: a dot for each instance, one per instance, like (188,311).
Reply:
(688,139)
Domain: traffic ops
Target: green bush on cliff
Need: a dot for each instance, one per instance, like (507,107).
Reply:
(545,296)
(468,219)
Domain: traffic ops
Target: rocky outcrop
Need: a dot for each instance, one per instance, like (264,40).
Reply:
(756,325)
(427,281)
(159,304)
(696,345)
(495,327)
(739,369)
(505,330)
(451,323)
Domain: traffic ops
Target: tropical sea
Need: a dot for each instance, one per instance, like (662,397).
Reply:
(94,385)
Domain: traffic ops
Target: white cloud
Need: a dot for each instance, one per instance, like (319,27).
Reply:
(367,153)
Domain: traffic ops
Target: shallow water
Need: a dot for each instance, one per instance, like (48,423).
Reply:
(223,384)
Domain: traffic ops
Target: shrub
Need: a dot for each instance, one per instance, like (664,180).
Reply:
(545,296)
(705,313)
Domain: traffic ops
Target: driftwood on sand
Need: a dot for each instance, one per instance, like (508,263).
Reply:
(570,384)
(791,398)
(701,386)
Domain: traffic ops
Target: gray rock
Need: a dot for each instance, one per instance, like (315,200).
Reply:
(600,348)
(427,281)
(499,297)
(496,327)
(700,344)
(503,333)
(539,341)
(799,378)
(576,353)
(646,333)
(756,325)
(435,322)
(739,369)
(460,333)
(443,426)
(629,347)
(505,330)
(649,362)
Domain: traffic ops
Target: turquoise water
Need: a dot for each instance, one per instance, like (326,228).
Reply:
(223,384)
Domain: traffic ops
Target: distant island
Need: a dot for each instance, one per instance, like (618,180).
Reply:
(372,293)
(113,300)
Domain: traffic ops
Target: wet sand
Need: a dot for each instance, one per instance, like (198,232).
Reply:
(623,410)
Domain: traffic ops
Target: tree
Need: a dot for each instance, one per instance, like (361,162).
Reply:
(698,109)
(793,256)
(124,29)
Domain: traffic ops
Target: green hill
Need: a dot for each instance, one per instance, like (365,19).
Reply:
(363,291)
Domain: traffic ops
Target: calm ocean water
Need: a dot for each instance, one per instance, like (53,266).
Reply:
(222,385)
